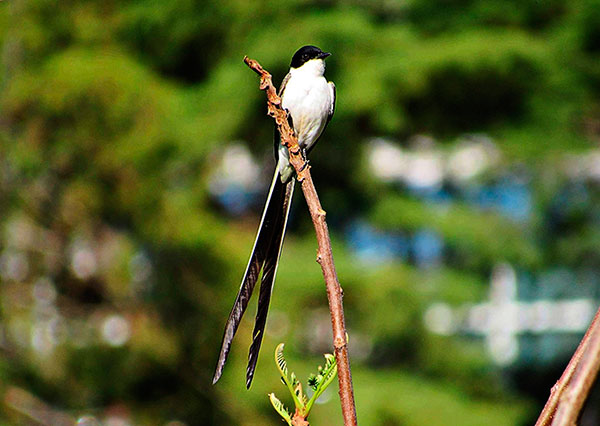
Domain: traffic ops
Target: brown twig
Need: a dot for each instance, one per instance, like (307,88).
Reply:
(570,392)
(324,254)
(572,400)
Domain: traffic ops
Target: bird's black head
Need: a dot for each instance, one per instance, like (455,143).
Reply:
(305,54)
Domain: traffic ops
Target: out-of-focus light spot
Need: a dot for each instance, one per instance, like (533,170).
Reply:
(57,329)
(583,166)
(540,316)
(41,340)
(575,315)
(478,319)
(424,166)
(116,420)
(236,178)
(45,312)
(116,330)
(503,348)
(44,292)
(386,160)
(175,423)
(593,165)
(239,166)
(45,335)
(425,169)
(466,162)
(14,266)
(439,319)
(20,233)
(88,420)
(472,157)
(503,283)
(83,260)
(324,398)
(421,168)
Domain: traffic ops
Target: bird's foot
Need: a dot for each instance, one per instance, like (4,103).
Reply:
(305,158)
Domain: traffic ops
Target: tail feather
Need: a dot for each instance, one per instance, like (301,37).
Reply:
(268,278)
(270,234)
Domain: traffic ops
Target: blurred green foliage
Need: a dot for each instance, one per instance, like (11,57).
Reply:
(112,114)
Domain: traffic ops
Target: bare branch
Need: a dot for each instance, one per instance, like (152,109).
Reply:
(570,392)
(324,255)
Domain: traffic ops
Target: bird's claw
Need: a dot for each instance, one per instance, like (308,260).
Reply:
(305,158)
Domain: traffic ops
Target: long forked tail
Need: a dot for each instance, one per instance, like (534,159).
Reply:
(265,256)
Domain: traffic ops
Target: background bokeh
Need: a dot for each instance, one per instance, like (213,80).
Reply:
(461,176)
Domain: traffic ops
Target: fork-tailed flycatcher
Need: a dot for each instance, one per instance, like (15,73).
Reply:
(310,100)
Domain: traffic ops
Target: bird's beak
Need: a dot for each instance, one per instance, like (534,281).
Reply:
(323,55)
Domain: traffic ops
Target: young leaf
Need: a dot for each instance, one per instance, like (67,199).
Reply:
(313,381)
(280,361)
(322,380)
(280,408)
(290,381)
(300,396)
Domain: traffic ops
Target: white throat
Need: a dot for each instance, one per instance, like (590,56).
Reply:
(313,68)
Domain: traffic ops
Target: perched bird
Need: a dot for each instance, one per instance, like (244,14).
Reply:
(310,100)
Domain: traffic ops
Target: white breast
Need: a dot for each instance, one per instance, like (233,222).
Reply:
(308,98)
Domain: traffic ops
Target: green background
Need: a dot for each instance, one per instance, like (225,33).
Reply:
(113,118)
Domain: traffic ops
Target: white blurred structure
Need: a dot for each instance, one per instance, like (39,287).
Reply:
(424,165)
(235,177)
(504,318)
(585,165)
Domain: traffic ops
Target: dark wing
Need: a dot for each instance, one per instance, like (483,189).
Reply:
(284,83)
(276,136)
(332,107)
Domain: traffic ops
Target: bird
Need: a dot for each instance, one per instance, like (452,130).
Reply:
(309,100)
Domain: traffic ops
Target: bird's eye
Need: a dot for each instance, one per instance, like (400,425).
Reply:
(305,57)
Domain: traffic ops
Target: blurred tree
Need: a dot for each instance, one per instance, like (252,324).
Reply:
(117,263)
